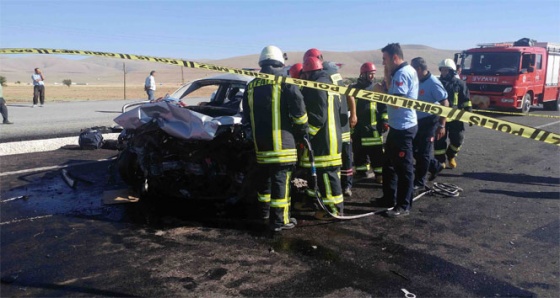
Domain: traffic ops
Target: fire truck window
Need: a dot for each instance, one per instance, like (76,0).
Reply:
(539,62)
(528,63)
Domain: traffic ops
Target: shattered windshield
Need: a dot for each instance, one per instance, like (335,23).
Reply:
(491,63)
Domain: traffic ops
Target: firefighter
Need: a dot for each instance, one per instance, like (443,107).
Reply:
(459,98)
(347,121)
(277,118)
(295,70)
(367,139)
(325,137)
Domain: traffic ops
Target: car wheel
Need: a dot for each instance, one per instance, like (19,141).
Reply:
(126,164)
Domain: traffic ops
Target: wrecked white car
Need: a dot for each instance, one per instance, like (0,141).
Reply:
(189,147)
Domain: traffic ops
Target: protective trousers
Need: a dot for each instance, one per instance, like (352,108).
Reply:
(455,131)
(423,144)
(328,182)
(398,167)
(273,190)
(346,173)
(367,154)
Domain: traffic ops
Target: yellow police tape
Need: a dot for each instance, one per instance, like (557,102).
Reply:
(449,113)
(515,114)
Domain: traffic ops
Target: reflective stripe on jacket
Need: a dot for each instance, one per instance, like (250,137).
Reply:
(323,110)
(274,110)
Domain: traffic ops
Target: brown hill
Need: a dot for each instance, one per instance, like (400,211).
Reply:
(107,71)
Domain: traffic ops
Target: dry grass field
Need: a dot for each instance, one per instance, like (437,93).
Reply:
(104,76)
(24,93)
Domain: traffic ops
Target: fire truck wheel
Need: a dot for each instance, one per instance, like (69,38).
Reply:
(526,103)
(551,105)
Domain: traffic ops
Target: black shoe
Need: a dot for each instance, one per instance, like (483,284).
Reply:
(7,122)
(433,175)
(397,212)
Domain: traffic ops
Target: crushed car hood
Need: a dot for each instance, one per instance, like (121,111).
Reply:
(176,121)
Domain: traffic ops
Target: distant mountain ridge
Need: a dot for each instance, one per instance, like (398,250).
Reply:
(109,71)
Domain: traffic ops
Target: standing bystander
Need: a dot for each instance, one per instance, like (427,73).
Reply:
(398,167)
(150,85)
(4,108)
(38,87)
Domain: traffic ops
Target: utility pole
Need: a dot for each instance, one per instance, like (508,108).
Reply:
(124,74)
(182,77)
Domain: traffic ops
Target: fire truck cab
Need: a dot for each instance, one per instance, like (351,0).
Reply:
(512,75)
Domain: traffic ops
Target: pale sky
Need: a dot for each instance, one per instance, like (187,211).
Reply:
(222,29)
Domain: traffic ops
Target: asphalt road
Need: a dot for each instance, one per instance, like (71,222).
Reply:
(58,119)
(501,237)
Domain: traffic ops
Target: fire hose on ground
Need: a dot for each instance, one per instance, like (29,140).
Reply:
(438,189)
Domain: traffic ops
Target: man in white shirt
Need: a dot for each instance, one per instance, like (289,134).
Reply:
(150,85)
(38,87)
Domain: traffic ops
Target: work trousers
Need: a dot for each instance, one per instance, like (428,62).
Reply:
(398,167)
(346,172)
(423,145)
(455,131)
(273,190)
(150,93)
(330,191)
(39,94)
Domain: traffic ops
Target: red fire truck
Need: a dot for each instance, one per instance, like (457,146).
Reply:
(512,75)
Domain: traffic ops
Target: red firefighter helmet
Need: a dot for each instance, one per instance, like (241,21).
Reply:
(311,64)
(367,67)
(295,70)
(313,53)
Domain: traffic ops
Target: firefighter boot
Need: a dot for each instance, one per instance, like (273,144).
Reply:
(280,219)
(452,163)
(264,210)
(334,209)
(378,177)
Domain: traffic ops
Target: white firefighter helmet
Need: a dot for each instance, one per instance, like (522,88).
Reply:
(271,53)
(448,63)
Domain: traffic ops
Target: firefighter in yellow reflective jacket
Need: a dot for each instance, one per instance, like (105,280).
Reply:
(277,116)
(459,98)
(348,120)
(325,133)
(372,123)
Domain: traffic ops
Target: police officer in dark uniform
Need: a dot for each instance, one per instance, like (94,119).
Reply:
(277,117)
(459,98)
(326,138)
